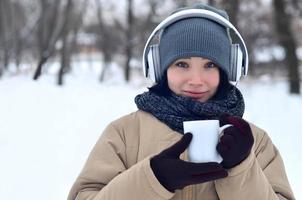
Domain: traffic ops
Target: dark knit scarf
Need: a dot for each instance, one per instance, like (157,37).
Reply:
(173,110)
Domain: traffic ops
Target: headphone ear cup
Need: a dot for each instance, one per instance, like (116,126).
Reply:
(149,66)
(156,62)
(153,63)
(236,63)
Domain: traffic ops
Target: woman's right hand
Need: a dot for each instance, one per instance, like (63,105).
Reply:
(174,173)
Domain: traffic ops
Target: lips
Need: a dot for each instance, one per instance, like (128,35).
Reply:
(195,94)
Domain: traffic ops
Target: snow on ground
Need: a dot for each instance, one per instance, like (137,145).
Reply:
(47,132)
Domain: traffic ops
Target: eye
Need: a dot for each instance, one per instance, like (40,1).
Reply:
(210,65)
(181,64)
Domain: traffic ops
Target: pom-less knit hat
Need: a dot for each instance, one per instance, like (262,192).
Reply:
(197,37)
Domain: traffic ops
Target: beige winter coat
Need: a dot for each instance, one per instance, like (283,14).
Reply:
(118,167)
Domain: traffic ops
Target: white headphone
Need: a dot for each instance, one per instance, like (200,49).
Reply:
(239,55)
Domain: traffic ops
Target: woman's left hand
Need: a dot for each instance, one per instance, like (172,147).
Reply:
(236,142)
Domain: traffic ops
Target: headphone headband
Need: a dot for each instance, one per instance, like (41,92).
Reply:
(202,13)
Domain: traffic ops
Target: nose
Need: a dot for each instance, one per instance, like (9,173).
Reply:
(196,77)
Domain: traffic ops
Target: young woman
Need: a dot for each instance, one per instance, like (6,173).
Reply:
(143,155)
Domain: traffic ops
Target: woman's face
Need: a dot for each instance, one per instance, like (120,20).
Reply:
(193,77)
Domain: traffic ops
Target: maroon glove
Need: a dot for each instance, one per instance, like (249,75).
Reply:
(174,173)
(236,142)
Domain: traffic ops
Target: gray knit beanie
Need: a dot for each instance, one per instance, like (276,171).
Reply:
(197,37)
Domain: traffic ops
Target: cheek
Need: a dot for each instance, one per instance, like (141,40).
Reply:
(214,80)
(171,79)
(174,81)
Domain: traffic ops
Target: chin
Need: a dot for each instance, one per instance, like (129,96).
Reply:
(202,100)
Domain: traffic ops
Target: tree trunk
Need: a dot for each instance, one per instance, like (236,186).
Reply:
(41,62)
(44,36)
(287,40)
(6,57)
(4,36)
(65,54)
(181,3)
(2,26)
(232,8)
(297,4)
(104,46)
(212,2)
(65,61)
(104,69)
(129,37)
(19,50)
(50,31)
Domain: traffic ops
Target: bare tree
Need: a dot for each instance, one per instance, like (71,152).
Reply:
(103,33)
(19,34)
(52,24)
(181,3)
(106,40)
(65,51)
(129,39)
(287,40)
(232,8)
(298,6)
(24,30)
(145,25)
(5,29)
(17,23)
(2,37)
(212,2)
(47,28)
(255,28)
(69,33)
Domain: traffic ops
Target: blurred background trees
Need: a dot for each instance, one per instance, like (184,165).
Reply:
(36,32)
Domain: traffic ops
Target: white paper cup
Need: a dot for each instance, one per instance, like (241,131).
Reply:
(206,134)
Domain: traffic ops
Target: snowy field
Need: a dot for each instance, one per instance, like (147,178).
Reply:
(47,132)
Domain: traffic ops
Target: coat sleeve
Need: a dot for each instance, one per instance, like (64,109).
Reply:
(260,176)
(107,176)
